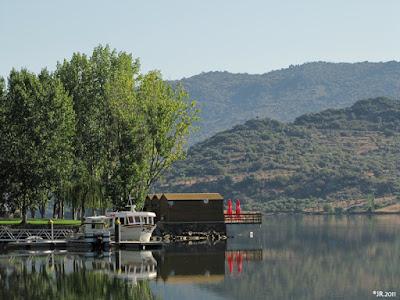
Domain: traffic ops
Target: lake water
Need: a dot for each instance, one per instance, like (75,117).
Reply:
(289,257)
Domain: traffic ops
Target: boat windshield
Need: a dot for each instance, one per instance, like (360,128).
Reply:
(149,220)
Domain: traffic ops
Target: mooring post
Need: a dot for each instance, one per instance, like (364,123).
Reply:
(51,229)
(117,231)
(106,241)
(118,260)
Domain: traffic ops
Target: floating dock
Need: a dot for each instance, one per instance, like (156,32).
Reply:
(23,238)
(47,244)
(81,245)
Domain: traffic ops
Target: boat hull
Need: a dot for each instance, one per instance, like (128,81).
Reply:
(140,233)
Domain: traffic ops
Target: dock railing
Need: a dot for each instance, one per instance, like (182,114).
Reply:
(249,217)
(8,234)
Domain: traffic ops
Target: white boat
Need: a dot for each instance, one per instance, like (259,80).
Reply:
(135,225)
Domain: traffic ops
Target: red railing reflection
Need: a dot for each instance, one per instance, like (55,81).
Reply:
(237,257)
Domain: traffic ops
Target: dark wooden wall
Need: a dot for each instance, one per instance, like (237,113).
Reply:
(192,211)
(187,210)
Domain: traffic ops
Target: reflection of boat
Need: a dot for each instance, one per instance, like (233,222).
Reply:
(135,225)
(132,266)
(135,265)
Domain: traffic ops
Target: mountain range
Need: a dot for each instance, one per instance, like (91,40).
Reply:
(227,99)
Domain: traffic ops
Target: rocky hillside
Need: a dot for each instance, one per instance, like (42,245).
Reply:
(336,158)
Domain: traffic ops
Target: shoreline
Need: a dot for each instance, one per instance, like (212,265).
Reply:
(332,214)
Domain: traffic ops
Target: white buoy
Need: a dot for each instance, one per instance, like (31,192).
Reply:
(251,234)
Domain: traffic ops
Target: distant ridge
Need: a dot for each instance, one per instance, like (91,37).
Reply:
(228,99)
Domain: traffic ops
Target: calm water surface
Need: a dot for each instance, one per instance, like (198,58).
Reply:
(289,257)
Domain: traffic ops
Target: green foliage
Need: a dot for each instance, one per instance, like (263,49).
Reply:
(327,207)
(91,134)
(338,210)
(37,128)
(168,115)
(291,167)
(371,203)
(130,127)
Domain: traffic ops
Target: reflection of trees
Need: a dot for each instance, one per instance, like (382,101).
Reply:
(44,282)
(312,258)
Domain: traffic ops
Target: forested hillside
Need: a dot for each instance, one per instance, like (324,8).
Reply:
(333,159)
(228,99)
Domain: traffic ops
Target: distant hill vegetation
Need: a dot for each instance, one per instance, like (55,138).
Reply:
(333,160)
(228,99)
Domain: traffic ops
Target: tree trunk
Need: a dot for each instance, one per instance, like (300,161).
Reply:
(33,212)
(23,212)
(54,209)
(61,209)
(83,211)
(77,213)
(42,210)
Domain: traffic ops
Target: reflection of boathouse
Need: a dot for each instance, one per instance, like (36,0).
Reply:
(191,264)
(195,212)
(201,263)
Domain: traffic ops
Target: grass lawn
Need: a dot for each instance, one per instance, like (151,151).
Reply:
(40,221)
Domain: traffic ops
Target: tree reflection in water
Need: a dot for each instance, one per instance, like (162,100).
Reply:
(66,277)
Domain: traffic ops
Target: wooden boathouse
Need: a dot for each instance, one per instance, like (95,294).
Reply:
(205,207)
(178,213)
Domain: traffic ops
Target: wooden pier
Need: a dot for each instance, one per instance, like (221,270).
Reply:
(243,218)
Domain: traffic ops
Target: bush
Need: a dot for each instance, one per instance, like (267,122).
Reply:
(338,210)
(327,208)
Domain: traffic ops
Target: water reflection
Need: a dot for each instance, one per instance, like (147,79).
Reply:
(59,275)
(290,257)
(191,263)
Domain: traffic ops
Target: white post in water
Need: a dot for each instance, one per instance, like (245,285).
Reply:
(51,229)
(117,230)
(251,234)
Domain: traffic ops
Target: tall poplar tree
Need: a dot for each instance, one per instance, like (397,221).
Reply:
(130,127)
(37,127)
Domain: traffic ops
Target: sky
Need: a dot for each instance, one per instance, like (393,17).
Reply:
(186,37)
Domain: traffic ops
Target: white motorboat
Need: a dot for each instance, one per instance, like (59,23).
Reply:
(135,225)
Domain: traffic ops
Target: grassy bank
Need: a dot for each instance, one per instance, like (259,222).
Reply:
(40,222)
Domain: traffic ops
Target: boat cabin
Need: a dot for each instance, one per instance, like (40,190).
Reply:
(131,218)
(96,224)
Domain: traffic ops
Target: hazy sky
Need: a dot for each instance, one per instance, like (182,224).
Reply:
(183,38)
